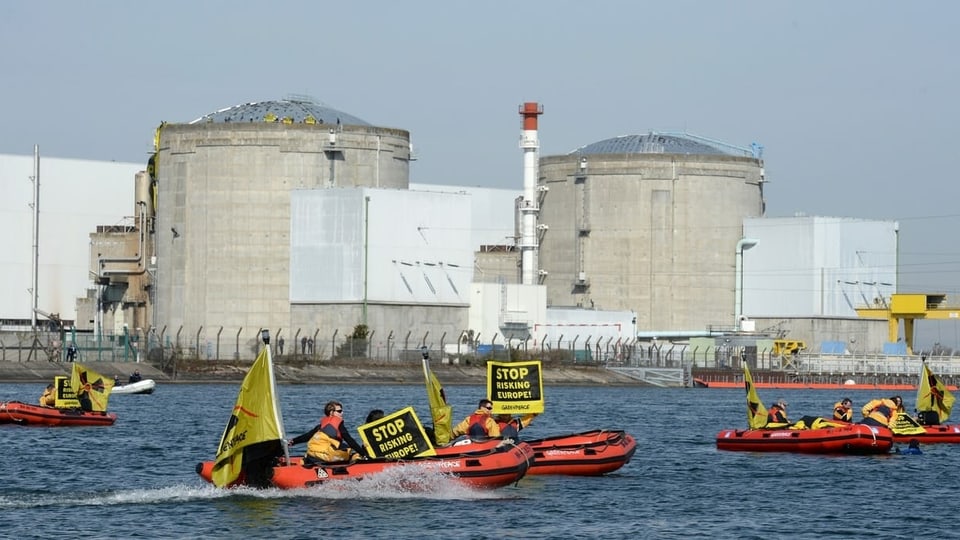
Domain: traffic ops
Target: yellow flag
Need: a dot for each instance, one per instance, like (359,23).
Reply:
(88,384)
(441,412)
(932,395)
(255,419)
(756,412)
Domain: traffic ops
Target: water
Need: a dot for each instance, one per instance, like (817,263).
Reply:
(136,479)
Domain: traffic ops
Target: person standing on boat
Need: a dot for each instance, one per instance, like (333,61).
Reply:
(777,415)
(49,396)
(881,412)
(510,427)
(478,424)
(843,410)
(330,441)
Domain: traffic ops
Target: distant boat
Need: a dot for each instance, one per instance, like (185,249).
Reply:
(819,436)
(78,400)
(143,386)
(26,414)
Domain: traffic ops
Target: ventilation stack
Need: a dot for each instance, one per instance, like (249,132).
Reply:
(530,144)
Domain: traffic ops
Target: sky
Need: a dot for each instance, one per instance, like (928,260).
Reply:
(854,102)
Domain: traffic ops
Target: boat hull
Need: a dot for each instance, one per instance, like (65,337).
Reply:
(848,439)
(144,386)
(591,453)
(490,464)
(25,414)
(946,434)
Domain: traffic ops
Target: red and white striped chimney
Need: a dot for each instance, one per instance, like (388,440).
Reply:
(530,144)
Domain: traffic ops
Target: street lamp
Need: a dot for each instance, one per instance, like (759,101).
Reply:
(742,245)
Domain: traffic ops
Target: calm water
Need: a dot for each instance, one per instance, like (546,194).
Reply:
(136,478)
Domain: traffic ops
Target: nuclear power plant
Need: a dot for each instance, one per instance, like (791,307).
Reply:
(297,217)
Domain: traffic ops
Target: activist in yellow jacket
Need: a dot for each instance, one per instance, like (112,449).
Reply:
(330,441)
(480,423)
(880,412)
(49,396)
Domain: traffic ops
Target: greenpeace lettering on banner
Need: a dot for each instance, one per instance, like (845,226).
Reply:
(397,435)
(515,387)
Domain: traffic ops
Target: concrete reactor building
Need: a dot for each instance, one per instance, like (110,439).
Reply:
(648,223)
(292,215)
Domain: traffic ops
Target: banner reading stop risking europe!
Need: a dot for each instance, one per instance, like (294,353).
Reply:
(515,387)
(397,435)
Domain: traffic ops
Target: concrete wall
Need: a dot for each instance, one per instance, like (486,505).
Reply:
(650,233)
(860,335)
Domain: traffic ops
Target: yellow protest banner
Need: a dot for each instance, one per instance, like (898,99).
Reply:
(515,387)
(397,435)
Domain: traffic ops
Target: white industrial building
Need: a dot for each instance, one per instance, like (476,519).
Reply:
(76,197)
(804,276)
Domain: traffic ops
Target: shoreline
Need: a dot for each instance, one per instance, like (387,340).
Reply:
(330,373)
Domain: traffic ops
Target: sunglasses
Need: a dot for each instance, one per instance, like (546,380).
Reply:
(338,410)
(488,408)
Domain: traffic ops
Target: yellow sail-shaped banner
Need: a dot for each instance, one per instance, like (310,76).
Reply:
(932,395)
(88,385)
(255,419)
(756,412)
(441,413)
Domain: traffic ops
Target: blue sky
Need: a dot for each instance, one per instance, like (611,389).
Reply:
(855,102)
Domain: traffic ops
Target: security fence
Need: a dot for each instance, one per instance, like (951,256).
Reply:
(162,346)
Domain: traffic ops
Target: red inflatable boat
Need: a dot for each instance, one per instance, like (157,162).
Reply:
(25,414)
(590,453)
(933,434)
(845,439)
(489,464)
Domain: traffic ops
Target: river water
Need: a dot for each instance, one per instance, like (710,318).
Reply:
(136,479)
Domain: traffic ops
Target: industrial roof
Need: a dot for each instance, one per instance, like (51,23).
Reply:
(294,109)
(658,143)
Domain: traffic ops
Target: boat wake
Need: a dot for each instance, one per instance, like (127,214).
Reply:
(397,483)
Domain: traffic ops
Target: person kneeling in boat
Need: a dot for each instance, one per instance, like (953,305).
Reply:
(843,410)
(330,441)
(479,424)
(49,396)
(510,427)
(777,415)
(881,412)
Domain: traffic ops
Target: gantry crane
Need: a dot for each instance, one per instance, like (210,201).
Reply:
(908,308)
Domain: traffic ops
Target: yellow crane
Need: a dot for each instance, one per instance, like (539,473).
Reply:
(908,308)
